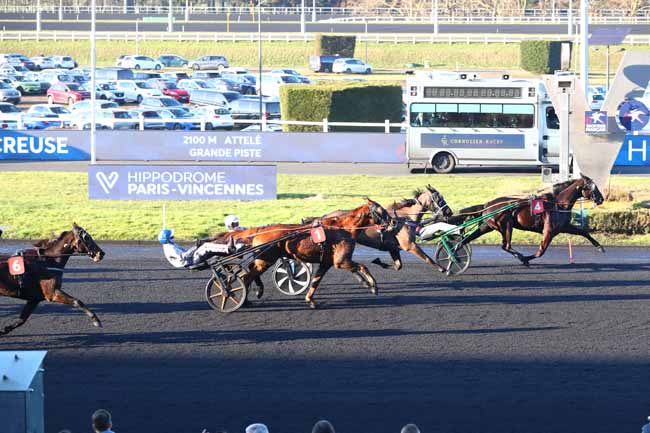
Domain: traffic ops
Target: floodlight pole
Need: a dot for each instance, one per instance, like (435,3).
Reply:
(38,16)
(259,55)
(170,17)
(93,67)
(302,17)
(584,44)
(60,10)
(313,11)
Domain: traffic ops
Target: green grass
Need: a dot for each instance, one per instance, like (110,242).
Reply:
(37,205)
(388,56)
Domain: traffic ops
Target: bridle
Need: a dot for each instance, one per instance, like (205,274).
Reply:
(81,235)
(378,214)
(433,201)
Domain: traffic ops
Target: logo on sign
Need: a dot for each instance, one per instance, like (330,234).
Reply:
(538,206)
(107,182)
(16,265)
(633,115)
(596,122)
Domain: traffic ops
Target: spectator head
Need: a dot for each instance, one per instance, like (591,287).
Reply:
(102,420)
(410,428)
(257,428)
(323,426)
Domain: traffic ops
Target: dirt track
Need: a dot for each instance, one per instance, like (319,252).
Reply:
(552,348)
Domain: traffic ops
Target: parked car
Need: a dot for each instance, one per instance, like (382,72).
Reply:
(209,62)
(172,60)
(135,91)
(248,107)
(152,119)
(7,70)
(113,74)
(25,86)
(9,115)
(169,88)
(271,83)
(293,72)
(215,117)
(99,105)
(9,94)
(144,76)
(36,115)
(24,61)
(108,91)
(175,76)
(64,62)
(194,85)
(106,119)
(140,62)
(68,93)
(18,69)
(322,63)
(35,76)
(160,102)
(208,97)
(270,127)
(54,77)
(237,70)
(205,75)
(351,66)
(179,118)
(42,62)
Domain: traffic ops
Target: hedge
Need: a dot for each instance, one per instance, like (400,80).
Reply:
(630,222)
(329,45)
(541,57)
(340,103)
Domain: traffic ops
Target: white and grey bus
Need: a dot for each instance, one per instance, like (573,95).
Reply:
(460,119)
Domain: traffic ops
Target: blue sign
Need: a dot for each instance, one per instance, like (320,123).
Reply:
(44,145)
(633,115)
(635,151)
(474,141)
(174,182)
(596,122)
(245,146)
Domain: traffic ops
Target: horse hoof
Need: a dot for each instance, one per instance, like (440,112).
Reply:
(377,261)
(374,290)
(312,305)
(525,263)
(97,323)
(601,250)
(259,294)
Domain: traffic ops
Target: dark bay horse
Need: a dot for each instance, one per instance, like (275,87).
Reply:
(336,251)
(555,219)
(401,235)
(44,266)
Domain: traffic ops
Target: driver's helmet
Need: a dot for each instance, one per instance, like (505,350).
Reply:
(166,236)
(231,222)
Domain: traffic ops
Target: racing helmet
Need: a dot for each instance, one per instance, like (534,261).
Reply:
(231,222)
(165,236)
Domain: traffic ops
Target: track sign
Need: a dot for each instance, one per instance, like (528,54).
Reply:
(318,234)
(16,265)
(537,206)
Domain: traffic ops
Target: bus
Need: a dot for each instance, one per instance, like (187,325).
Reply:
(461,119)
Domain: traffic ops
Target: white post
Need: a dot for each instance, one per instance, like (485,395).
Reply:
(325,126)
(187,10)
(584,44)
(137,38)
(564,135)
(387,126)
(313,11)
(93,67)
(60,10)
(570,19)
(435,17)
(170,17)
(302,17)
(38,16)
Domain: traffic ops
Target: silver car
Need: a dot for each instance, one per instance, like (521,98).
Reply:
(9,94)
(209,62)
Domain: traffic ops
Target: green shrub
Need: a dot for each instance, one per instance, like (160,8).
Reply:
(329,45)
(340,103)
(623,222)
(542,57)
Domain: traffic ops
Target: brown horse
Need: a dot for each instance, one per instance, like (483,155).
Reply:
(336,251)
(555,219)
(44,266)
(402,234)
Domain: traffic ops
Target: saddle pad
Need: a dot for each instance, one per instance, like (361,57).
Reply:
(318,234)
(537,206)
(16,265)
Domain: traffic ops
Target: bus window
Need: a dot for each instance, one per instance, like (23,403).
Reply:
(517,116)
(552,122)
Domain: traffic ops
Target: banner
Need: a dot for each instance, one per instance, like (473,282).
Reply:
(247,146)
(635,151)
(45,145)
(474,141)
(173,182)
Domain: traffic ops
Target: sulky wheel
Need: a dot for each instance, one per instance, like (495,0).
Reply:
(227,294)
(291,277)
(457,259)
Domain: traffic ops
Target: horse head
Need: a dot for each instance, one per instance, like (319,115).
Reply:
(82,242)
(432,200)
(590,190)
(377,213)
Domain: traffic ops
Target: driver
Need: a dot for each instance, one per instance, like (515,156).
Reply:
(179,257)
(232,223)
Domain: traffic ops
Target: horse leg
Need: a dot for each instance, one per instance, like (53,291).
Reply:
(417,252)
(506,243)
(257,268)
(573,230)
(547,237)
(27,311)
(397,260)
(260,287)
(62,297)
(315,282)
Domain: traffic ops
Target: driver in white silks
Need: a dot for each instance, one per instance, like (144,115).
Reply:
(179,257)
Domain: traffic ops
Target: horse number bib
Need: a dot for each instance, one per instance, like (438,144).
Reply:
(16,265)
(537,206)
(318,234)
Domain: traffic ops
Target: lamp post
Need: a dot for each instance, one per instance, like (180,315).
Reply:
(259,56)
(93,67)
(170,17)
(302,17)
(434,15)
(570,18)
(313,11)
(584,44)
(38,16)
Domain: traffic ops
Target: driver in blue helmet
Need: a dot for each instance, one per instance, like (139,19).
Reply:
(180,257)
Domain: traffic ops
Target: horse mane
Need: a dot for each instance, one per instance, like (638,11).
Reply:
(405,202)
(559,187)
(46,243)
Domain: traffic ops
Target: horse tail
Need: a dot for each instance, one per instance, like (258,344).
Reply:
(465,214)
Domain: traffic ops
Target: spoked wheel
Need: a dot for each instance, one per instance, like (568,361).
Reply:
(292,277)
(226,297)
(456,257)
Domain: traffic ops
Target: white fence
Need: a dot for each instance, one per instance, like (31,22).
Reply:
(395,38)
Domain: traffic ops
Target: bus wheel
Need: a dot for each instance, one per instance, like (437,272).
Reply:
(443,163)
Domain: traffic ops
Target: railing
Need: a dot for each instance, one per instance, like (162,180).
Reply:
(8,123)
(395,38)
(454,19)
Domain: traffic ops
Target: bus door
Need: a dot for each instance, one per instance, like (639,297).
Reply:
(550,131)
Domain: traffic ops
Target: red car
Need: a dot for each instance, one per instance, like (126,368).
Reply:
(169,88)
(66,93)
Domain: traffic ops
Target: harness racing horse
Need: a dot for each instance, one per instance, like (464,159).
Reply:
(337,250)
(555,218)
(44,266)
(402,234)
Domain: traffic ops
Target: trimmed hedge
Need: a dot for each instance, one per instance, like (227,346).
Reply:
(330,45)
(629,222)
(340,103)
(541,57)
